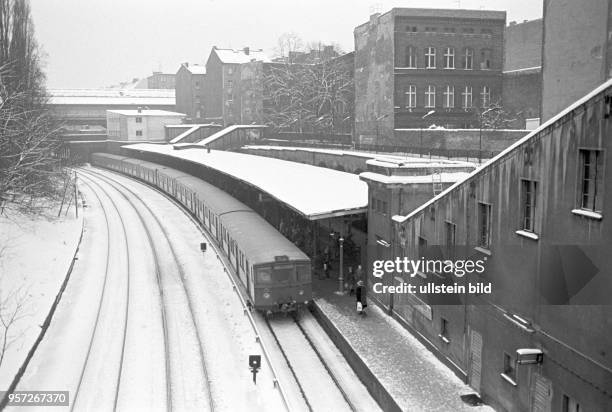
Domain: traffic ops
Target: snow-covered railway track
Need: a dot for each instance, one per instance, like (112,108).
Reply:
(186,380)
(308,367)
(290,403)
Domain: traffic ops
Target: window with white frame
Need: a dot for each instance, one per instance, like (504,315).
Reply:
(468,58)
(485,96)
(449,58)
(411,96)
(430,57)
(449,96)
(466,97)
(411,57)
(430,96)
(591,179)
(485,59)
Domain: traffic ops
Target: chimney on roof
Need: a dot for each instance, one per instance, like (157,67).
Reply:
(186,64)
(246,50)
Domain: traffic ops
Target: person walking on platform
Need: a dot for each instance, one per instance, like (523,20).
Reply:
(360,295)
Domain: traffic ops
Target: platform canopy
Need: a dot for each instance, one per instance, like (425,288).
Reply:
(313,192)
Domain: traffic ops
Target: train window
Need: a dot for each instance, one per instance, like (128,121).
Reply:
(303,273)
(264,275)
(282,274)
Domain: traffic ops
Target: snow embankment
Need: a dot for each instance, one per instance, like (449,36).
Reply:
(35,254)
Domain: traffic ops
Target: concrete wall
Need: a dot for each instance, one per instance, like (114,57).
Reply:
(559,283)
(575,51)
(522,96)
(459,139)
(374,80)
(523,45)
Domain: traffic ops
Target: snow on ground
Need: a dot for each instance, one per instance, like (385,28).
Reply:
(314,379)
(227,335)
(335,361)
(35,254)
(413,376)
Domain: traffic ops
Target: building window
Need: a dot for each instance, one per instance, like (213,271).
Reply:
(449,97)
(468,58)
(411,57)
(384,208)
(411,96)
(230,83)
(509,369)
(449,58)
(430,58)
(230,70)
(451,230)
(468,30)
(139,119)
(430,96)
(528,201)
(485,96)
(138,132)
(411,29)
(466,97)
(422,247)
(197,85)
(570,404)
(485,59)
(484,225)
(591,180)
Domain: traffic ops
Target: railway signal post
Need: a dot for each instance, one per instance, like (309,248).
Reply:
(254,364)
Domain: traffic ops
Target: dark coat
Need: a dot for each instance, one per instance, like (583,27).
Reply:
(360,295)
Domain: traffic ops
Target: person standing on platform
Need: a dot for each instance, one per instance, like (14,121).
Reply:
(360,295)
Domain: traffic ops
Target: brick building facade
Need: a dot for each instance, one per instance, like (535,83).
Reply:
(409,62)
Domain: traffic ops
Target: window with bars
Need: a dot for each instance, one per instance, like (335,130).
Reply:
(430,96)
(138,119)
(138,132)
(468,58)
(509,369)
(449,97)
(484,225)
(528,202)
(449,58)
(430,57)
(466,97)
(411,57)
(591,179)
(411,96)
(485,96)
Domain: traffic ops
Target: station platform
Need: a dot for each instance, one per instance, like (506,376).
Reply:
(398,370)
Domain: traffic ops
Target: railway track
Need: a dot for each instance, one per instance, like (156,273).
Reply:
(278,384)
(106,299)
(172,289)
(305,360)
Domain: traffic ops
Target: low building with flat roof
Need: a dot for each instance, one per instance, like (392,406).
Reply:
(140,125)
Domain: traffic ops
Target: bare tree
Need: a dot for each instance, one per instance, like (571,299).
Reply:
(13,307)
(312,96)
(288,43)
(28,133)
(494,117)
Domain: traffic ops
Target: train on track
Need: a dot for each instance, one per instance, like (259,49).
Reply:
(275,275)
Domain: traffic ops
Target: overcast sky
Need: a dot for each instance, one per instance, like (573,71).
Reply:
(96,43)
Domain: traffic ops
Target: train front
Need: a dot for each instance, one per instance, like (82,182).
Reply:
(283,285)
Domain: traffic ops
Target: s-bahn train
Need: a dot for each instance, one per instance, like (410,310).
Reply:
(274,274)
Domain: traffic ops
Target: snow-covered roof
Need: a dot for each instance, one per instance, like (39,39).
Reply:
(145,97)
(314,192)
(231,56)
(403,180)
(196,68)
(143,113)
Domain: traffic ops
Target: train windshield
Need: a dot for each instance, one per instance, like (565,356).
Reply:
(279,274)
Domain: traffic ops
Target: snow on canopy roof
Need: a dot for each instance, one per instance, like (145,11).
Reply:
(314,192)
(112,96)
(239,56)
